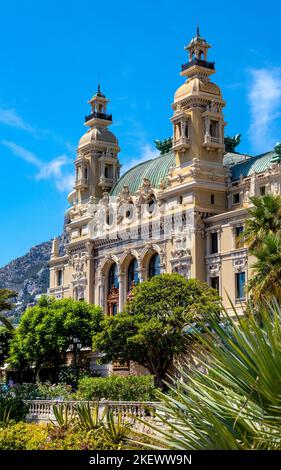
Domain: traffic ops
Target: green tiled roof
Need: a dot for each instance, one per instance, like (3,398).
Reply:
(256,164)
(155,170)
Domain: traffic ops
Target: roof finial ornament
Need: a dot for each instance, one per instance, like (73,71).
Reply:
(98,87)
(197,32)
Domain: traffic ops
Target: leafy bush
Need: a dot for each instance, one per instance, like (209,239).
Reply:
(130,388)
(23,436)
(44,391)
(17,409)
(69,374)
(27,436)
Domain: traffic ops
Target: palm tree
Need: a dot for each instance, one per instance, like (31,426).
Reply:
(264,218)
(237,403)
(266,280)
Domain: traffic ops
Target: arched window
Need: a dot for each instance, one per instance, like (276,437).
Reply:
(154,265)
(113,290)
(151,206)
(133,276)
(109,216)
(113,277)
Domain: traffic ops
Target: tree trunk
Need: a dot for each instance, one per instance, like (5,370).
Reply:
(158,382)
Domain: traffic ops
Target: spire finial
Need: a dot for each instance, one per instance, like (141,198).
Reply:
(197,31)
(98,87)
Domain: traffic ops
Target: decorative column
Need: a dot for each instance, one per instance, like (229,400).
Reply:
(141,274)
(207,136)
(121,280)
(101,279)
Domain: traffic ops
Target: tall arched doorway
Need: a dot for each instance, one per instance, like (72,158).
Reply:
(113,290)
(154,266)
(133,275)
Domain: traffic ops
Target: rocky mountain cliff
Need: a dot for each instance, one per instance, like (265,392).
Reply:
(28,276)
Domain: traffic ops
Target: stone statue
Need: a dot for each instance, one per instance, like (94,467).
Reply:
(164,145)
(277,150)
(232,142)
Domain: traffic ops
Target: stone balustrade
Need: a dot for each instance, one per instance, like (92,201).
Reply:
(42,410)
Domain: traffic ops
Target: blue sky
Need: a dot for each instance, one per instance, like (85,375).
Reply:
(54,53)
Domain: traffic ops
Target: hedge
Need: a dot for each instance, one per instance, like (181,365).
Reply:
(115,388)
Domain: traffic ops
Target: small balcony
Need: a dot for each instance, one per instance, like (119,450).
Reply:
(183,143)
(105,182)
(200,63)
(96,115)
(81,183)
(210,141)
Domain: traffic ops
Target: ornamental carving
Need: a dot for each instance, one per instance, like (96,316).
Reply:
(239,264)
(105,199)
(125,197)
(145,192)
(180,249)
(79,267)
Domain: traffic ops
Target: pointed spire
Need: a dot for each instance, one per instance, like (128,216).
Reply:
(197,32)
(99,93)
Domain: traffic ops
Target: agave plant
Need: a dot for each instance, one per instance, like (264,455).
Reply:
(89,417)
(64,416)
(235,402)
(5,418)
(116,430)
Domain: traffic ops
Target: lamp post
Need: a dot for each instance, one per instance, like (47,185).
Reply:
(75,347)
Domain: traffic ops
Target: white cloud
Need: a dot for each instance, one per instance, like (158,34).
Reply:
(265,100)
(65,183)
(12,119)
(53,170)
(23,153)
(148,153)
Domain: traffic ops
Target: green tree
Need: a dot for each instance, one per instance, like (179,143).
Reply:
(236,405)
(151,331)
(46,330)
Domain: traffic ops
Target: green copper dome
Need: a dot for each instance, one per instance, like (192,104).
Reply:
(155,170)
(252,165)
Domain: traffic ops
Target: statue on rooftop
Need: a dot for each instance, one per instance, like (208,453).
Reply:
(164,145)
(232,142)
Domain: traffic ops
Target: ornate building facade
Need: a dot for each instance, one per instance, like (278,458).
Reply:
(182,211)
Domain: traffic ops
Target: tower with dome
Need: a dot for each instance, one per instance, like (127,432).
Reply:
(182,211)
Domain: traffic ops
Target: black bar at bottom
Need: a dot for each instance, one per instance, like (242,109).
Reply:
(131,458)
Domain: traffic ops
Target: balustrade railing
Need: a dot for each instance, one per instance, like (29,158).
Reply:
(200,62)
(95,114)
(42,410)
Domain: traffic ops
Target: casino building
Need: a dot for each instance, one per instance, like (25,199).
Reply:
(180,212)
